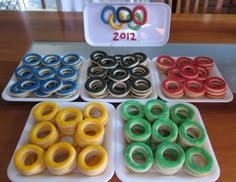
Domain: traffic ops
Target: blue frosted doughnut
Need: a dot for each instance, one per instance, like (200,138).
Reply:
(68,89)
(71,60)
(44,73)
(28,84)
(24,71)
(67,73)
(52,60)
(32,59)
(15,92)
(51,85)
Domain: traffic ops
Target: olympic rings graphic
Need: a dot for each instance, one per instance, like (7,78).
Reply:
(124,15)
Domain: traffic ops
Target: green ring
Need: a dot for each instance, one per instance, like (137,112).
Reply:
(169,166)
(144,152)
(137,124)
(185,140)
(156,104)
(137,27)
(181,113)
(137,109)
(194,169)
(168,126)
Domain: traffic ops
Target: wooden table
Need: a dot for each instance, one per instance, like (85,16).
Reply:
(19,29)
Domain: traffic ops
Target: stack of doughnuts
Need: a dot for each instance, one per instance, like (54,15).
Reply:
(65,138)
(118,76)
(190,77)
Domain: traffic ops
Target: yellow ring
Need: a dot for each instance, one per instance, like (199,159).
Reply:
(93,109)
(29,159)
(113,25)
(45,111)
(57,151)
(67,120)
(49,139)
(92,160)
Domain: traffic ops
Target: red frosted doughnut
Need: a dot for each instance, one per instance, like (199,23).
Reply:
(194,88)
(175,73)
(184,60)
(189,71)
(173,88)
(203,73)
(204,61)
(164,63)
(215,87)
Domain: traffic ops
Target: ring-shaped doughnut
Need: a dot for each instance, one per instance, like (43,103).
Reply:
(68,89)
(60,158)
(164,63)
(28,84)
(16,92)
(175,73)
(138,157)
(119,74)
(139,71)
(51,60)
(24,71)
(194,88)
(172,88)
(184,60)
(204,61)
(71,60)
(131,109)
(196,169)
(113,25)
(119,89)
(45,111)
(96,87)
(96,55)
(32,59)
(108,62)
(203,73)
(99,161)
(44,73)
(51,85)
(129,61)
(215,87)
(25,165)
(142,58)
(44,134)
(96,71)
(189,71)
(67,73)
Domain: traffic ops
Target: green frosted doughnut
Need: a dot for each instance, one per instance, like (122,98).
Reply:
(191,134)
(191,165)
(163,130)
(169,158)
(138,157)
(155,109)
(181,113)
(137,129)
(131,109)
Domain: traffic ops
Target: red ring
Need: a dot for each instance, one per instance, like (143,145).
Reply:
(215,85)
(173,88)
(203,73)
(184,60)
(175,73)
(204,61)
(194,88)
(135,19)
(189,71)
(164,63)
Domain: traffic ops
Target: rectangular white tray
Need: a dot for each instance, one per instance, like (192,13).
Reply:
(108,144)
(85,96)
(6,95)
(214,72)
(152,175)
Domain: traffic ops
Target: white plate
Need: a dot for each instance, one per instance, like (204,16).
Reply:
(85,96)
(108,144)
(152,175)
(6,95)
(214,72)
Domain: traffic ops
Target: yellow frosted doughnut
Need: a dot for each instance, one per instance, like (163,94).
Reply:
(92,160)
(44,134)
(96,110)
(29,159)
(67,120)
(60,158)
(45,111)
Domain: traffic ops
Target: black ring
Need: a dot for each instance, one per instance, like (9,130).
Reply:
(141,57)
(117,91)
(108,62)
(129,61)
(139,71)
(100,86)
(130,16)
(96,55)
(96,71)
(146,85)
(119,74)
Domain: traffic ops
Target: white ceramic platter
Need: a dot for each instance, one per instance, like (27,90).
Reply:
(152,175)
(108,144)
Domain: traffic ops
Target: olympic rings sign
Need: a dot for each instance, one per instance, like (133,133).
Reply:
(125,15)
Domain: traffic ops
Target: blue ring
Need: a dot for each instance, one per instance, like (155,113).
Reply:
(51,85)
(73,62)
(14,89)
(67,88)
(39,93)
(40,73)
(105,9)
(51,60)
(24,71)
(32,59)
(28,84)
(62,72)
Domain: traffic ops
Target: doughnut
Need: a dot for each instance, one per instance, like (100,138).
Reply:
(51,60)
(32,59)
(191,134)
(138,157)
(140,88)
(96,110)
(68,89)
(92,160)
(29,159)
(44,73)
(202,167)
(175,73)
(119,89)
(163,130)
(119,74)
(51,85)
(215,87)
(129,61)
(189,71)
(206,62)
(203,73)
(137,130)
(194,88)
(71,60)
(107,62)
(67,120)
(60,158)
(28,84)
(16,92)
(172,88)
(96,87)
(67,73)
(139,71)
(169,158)
(155,109)
(131,109)
(44,134)
(142,58)
(181,113)
(96,55)
(184,60)
(89,131)
(96,71)
(45,111)
(24,71)
(164,63)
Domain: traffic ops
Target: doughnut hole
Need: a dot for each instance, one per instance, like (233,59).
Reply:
(93,158)
(164,130)
(198,160)
(193,132)
(60,155)
(137,129)
(139,156)
(133,110)
(171,154)
(30,158)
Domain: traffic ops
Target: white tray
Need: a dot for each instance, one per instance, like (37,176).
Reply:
(108,144)
(152,175)
(85,96)
(6,95)
(214,72)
